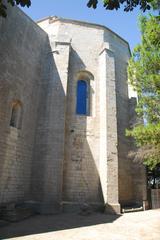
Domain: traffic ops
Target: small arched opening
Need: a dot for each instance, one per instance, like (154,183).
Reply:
(16,114)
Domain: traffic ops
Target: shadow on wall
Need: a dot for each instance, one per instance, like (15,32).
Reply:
(45,224)
(49,142)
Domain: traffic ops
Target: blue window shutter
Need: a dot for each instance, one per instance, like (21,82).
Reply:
(81,107)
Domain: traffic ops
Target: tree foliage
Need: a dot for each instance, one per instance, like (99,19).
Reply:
(3,5)
(128,5)
(148,143)
(144,75)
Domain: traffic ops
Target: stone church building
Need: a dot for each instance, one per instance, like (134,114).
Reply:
(64,108)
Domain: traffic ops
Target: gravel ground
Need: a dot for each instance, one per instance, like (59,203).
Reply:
(96,226)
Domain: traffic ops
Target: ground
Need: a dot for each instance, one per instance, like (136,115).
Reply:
(96,226)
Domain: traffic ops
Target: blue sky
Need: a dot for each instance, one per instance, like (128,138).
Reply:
(124,24)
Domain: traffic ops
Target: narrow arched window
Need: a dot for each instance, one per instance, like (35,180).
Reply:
(84,93)
(16,115)
(82,102)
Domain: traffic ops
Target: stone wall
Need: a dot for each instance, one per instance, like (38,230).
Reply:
(50,131)
(49,153)
(90,175)
(21,51)
(122,55)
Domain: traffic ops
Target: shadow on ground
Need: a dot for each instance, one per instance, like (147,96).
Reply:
(49,223)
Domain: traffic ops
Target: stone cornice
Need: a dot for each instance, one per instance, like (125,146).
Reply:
(83,23)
